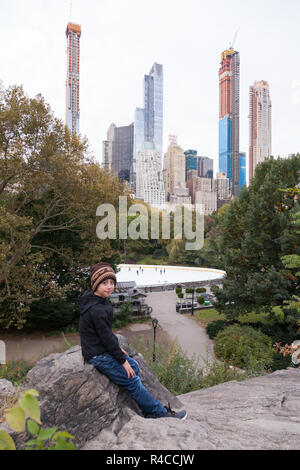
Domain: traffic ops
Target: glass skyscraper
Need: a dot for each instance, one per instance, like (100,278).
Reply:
(242,169)
(229,86)
(225,146)
(191,161)
(148,121)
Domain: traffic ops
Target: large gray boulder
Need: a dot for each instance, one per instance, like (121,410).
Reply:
(261,413)
(75,397)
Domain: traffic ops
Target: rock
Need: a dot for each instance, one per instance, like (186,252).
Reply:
(261,413)
(75,397)
(6,388)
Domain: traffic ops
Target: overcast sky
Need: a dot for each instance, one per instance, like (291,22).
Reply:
(120,41)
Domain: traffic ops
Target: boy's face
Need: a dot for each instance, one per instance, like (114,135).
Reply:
(105,288)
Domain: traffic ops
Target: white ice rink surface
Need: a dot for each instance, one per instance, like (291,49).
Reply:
(150,275)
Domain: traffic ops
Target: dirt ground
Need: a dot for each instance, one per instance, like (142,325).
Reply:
(34,346)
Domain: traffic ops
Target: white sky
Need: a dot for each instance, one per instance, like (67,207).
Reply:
(120,41)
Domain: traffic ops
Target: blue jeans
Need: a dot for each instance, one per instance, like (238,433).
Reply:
(107,365)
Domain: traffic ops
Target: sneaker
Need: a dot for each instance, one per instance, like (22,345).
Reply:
(175,414)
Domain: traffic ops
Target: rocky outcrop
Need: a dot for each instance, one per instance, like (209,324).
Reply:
(260,413)
(75,397)
(6,389)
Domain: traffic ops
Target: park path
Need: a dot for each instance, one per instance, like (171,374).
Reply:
(191,336)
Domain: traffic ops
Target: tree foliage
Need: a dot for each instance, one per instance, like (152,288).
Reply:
(255,233)
(50,188)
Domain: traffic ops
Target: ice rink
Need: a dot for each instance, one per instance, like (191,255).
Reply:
(150,275)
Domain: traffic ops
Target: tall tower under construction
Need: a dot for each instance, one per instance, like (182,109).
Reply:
(73,33)
(229,118)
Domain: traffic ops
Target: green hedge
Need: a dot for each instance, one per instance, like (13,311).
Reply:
(214,327)
(244,347)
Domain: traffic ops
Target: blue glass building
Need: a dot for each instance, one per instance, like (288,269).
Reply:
(225,146)
(242,169)
(191,161)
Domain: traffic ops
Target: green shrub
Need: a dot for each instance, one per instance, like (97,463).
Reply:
(178,290)
(46,314)
(200,290)
(200,299)
(280,362)
(180,295)
(213,328)
(278,332)
(159,253)
(244,347)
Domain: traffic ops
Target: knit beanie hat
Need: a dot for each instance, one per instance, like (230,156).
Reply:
(100,272)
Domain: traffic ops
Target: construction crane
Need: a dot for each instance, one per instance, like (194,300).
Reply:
(70,12)
(231,44)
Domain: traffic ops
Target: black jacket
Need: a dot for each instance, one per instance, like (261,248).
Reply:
(95,327)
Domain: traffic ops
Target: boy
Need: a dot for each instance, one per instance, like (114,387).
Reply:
(100,346)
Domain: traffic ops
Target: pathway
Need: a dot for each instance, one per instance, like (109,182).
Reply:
(191,336)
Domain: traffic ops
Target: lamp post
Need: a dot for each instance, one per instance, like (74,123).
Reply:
(154,324)
(193,291)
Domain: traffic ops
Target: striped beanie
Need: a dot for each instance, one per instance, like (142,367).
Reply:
(100,272)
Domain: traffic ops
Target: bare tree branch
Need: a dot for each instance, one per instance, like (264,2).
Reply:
(51,249)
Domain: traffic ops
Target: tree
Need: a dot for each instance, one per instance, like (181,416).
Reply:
(292,264)
(50,189)
(256,231)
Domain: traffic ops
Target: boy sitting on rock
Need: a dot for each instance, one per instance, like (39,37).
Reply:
(100,347)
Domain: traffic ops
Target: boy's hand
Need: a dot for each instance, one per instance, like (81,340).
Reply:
(128,368)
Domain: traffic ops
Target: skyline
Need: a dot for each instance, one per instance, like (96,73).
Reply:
(187,40)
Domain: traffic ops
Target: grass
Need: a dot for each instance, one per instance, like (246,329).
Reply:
(262,317)
(206,316)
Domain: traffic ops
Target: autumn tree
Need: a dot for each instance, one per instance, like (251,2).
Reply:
(255,233)
(50,189)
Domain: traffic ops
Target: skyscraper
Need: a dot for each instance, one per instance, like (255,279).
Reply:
(191,161)
(174,169)
(148,121)
(242,169)
(229,116)
(73,33)
(149,177)
(260,120)
(205,167)
(118,150)
(107,148)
